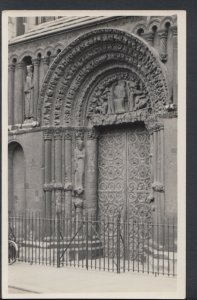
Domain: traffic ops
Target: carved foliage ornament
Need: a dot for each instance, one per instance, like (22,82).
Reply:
(141,59)
(114,168)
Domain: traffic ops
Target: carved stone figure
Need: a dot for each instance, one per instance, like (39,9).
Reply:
(102,108)
(137,97)
(79,156)
(29,87)
(119,97)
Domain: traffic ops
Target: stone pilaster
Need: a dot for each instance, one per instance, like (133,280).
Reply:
(58,155)
(91,171)
(158,183)
(19,94)
(163,35)
(156,132)
(68,172)
(58,169)
(46,62)
(174,33)
(36,64)
(47,173)
(11,70)
(157,195)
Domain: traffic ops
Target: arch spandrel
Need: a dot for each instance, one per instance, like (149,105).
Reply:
(75,70)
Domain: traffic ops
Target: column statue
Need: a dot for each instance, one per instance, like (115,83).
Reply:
(29,88)
(79,164)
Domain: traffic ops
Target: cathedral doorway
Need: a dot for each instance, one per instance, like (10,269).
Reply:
(124,180)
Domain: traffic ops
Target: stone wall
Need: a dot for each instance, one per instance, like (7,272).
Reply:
(31,143)
(170,162)
(49,178)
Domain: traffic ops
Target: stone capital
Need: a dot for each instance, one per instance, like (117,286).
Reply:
(154,125)
(68,186)
(20,65)
(58,186)
(162,34)
(163,57)
(48,187)
(48,134)
(92,134)
(68,134)
(36,61)
(79,133)
(174,30)
(58,134)
(11,67)
(148,36)
(46,60)
(78,202)
(158,187)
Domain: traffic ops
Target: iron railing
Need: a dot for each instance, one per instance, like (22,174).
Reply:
(109,243)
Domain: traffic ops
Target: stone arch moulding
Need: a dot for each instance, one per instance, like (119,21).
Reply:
(167,19)
(74,72)
(26,53)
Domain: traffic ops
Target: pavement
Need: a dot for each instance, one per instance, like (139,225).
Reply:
(40,280)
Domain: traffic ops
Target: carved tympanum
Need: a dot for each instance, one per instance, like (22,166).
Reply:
(75,75)
(118,97)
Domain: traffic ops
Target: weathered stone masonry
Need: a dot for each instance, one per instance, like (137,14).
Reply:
(104,78)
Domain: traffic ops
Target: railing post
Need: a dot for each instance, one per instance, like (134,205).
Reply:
(86,240)
(118,243)
(58,240)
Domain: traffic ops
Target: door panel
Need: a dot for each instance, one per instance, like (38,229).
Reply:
(124,172)
(138,173)
(112,172)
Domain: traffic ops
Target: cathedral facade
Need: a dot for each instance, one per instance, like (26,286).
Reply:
(93,116)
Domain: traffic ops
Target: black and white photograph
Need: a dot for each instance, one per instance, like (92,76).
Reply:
(94,154)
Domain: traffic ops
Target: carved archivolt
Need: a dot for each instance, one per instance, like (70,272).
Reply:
(94,58)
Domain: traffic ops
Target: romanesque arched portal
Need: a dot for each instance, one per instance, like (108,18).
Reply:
(105,78)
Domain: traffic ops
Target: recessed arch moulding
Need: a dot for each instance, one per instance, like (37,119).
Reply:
(100,56)
(103,77)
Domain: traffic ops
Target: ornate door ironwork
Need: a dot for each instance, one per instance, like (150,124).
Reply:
(124,184)
(124,173)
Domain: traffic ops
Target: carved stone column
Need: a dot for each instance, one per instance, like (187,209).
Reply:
(47,173)
(11,69)
(68,172)
(163,35)
(149,37)
(158,184)
(91,172)
(19,93)
(79,170)
(156,198)
(157,195)
(36,64)
(46,61)
(174,33)
(58,170)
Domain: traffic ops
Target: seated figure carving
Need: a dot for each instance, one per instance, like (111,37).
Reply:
(102,108)
(137,97)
